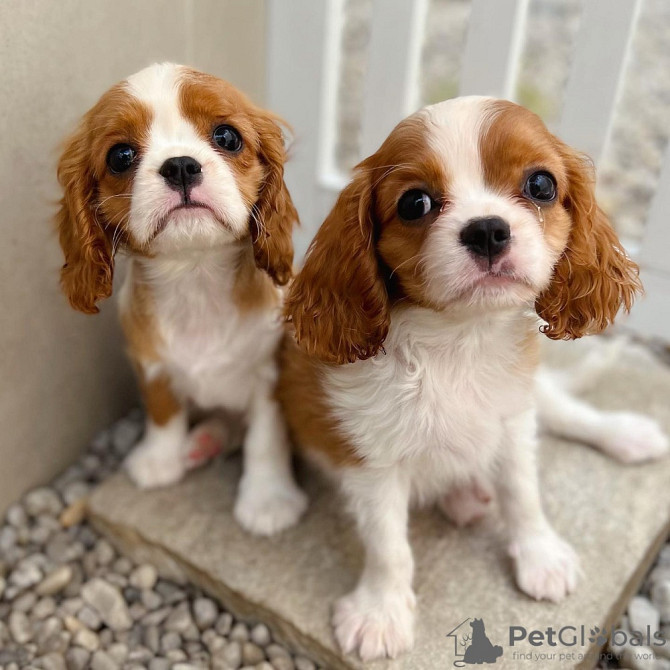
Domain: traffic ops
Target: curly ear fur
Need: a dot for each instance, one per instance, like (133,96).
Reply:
(273,215)
(338,303)
(87,274)
(594,277)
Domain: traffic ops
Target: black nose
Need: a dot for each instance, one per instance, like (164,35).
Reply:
(487,236)
(181,173)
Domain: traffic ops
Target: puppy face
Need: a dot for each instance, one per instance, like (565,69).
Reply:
(470,203)
(171,160)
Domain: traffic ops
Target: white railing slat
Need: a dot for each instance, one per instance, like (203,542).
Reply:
(392,80)
(303,45)
(603,43)
(493,48)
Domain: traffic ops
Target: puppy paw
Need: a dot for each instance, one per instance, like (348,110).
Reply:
(465,505)
(268,507)
(547,567)
(633,438)
(150,465)
(206,441)
(376,625)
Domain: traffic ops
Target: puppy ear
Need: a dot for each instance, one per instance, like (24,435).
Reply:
(87,274)
(273,215)
(594,277)
(338,303)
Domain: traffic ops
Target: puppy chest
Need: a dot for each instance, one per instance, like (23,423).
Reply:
(433,413)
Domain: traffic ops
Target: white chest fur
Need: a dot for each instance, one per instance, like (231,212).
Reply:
(437,400)
(214,351)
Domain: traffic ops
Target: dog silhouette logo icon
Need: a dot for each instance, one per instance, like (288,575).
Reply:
(473,647)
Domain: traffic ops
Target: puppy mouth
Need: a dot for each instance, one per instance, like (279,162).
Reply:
(184,206)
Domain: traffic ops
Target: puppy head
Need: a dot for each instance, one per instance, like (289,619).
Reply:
(167,161)
(468,204)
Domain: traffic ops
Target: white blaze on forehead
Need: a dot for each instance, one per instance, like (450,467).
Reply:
(455,127)
(157,86)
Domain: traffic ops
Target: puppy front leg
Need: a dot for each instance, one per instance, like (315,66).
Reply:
(159,458)
(377,617)
(546,566)
(268,499)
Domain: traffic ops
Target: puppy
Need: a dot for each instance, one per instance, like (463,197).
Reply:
(418,312)
(180,171)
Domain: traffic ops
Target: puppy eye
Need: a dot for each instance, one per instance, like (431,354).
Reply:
(414,204)
(227,138)
(540,186)
(120,157)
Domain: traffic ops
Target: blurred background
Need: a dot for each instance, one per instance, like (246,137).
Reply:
(342,72)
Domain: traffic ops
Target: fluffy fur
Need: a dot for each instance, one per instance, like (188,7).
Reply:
(199,307)
(414,378)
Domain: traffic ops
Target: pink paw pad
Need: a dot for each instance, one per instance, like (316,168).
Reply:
(204,447)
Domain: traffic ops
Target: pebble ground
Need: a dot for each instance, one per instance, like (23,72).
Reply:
(69,601)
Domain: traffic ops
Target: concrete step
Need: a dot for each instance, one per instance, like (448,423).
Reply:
(615,517)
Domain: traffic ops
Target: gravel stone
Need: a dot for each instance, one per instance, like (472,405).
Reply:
(239,633)
(180,619)
(170,641)
(302,663)
(108,602)
(213,642)
(43,501)
(20,627)
(642,613)
(55,581)
(53,661)
(151,600)
(77,658)
(224,624)
(25,575)
(118,652)
(252,654)
(75,491)
(660,597)
(16,516)
(260,634)
(103,661)
(159,664)
(231,654)
(122,566)
(151,638)
(144,577)
(176,655)
(44,608)
(104,552)
(73,514)
(25,602)
(274,650)
(283,663)
(89,617)
(87,639)
(205,612)
(264,665)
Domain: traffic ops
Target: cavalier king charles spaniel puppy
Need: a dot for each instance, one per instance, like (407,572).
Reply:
(183,173)
(418,315)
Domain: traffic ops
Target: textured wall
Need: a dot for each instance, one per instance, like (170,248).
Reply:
(64,375)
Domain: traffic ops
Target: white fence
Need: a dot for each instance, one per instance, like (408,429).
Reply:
(304,55)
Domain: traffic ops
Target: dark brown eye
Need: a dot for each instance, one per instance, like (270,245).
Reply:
(414,205)
(540,186)
(227,138)
(120,157)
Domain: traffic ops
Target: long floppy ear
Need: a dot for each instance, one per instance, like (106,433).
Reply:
(87,274)
(594,278)
(338,303)
(274,215)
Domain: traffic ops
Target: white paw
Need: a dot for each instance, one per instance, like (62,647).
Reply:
(376,625)
(547,567)
(265,507)
(465,505)
(150,465)
(632,438)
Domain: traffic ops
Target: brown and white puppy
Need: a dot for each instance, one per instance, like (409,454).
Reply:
(417,315)
(180,171)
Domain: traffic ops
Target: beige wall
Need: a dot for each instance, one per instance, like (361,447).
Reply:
(63,375)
